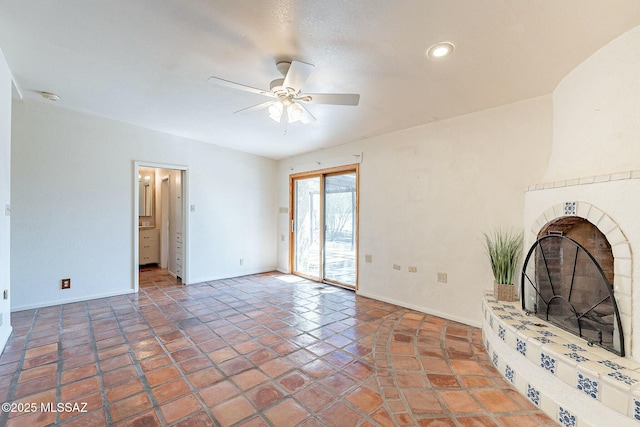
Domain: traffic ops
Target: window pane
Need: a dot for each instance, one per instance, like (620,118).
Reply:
(307,227)
(340,228)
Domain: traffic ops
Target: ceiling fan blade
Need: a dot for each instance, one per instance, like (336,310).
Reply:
(332,98)
(260,106)
(297,75)
(307,117)
(234,85)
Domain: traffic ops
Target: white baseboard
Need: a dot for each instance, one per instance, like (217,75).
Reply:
(71,300)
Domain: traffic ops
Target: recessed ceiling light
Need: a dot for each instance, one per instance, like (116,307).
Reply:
(440,50)
(50,96)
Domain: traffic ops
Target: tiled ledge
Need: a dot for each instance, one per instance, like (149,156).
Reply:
(586,180)
(577,385)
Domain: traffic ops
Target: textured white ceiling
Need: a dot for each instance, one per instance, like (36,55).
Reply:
(146,62)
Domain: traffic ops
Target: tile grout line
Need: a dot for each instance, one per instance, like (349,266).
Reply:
(195,390)
(16,376)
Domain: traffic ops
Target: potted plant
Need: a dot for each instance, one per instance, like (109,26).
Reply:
(504,249)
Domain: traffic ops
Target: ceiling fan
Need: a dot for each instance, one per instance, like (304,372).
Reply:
(287,105)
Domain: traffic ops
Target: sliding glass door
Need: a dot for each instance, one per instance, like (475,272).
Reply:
(324,226)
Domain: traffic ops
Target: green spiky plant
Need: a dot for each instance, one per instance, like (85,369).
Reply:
(504,249)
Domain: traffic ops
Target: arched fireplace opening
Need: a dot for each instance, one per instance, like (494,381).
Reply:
(567,280)
(588,235)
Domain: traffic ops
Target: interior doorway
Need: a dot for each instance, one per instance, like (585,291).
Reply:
(160,225)
(324,225)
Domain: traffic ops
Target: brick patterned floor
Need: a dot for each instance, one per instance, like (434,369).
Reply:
(262,350)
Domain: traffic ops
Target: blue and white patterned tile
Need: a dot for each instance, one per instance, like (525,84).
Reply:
(623,379)
(533,394)
(634,407)
(548,363)
(619,363)
(544,340)
(501,332)
(566,418)
(589,386)
(521,347)
(577,357)
(547,334)
(494,359)
(612,365)
(574,347)
(569,208)
(509,374)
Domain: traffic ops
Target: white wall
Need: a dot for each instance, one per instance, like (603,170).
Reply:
(73,205)
(596,113)
(426,196)
(5,197)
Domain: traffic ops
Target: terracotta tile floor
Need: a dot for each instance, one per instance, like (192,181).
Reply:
(262,350)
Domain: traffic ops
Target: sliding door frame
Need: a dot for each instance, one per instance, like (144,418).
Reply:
(322,174)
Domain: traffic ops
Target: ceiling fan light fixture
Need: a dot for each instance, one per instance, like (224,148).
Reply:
(440,50)
(287,96)
(295,112)
(275,111)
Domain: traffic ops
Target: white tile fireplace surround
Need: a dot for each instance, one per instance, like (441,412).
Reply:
(573,383)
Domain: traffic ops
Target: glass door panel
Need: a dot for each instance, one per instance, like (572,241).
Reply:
(306,227)
(340,228)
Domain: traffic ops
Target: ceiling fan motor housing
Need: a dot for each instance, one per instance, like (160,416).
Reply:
(283,67)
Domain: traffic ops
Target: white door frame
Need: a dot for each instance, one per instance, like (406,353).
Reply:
(137,164)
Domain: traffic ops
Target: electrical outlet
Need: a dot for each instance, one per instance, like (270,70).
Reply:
(241,261)
(66,283)
(396,266)
(413,269)
(442,277)
(368,259)
(6,294)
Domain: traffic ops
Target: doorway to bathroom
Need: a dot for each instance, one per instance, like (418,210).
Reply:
(160,225)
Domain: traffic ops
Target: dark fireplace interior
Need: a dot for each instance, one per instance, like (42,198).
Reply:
(570,271)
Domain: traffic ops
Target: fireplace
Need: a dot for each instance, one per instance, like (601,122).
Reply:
(597,215)
(568,275)
(584,236)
